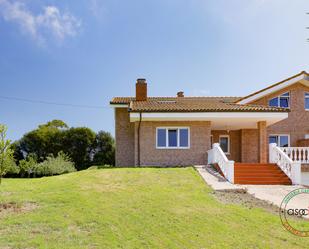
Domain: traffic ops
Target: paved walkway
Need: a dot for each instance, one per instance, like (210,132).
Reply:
(214,181)
(271,193)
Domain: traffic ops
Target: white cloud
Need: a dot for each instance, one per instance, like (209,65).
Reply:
(97,8)
(50,22)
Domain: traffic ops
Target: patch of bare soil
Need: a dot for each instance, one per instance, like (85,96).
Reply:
(241,197)
(13,208)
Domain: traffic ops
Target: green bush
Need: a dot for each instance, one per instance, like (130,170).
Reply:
(11,167)
(55,165)
(27,166)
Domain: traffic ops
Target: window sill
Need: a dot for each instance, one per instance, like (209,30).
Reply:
(172,148)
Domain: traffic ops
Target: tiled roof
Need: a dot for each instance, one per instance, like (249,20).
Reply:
(196,104)
(127,100)
(192,104)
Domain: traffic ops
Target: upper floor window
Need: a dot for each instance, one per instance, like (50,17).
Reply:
(281,101)
(173,138)
(307,101)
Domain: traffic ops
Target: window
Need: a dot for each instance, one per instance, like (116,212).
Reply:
(280,140)
(281,101)
(224,141)
(307,101)
(161,138)
(173,138)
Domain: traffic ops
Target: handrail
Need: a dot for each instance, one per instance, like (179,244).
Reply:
(297,153)
(216,155)
(291,168)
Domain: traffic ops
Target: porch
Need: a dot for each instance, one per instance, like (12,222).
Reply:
(284,167)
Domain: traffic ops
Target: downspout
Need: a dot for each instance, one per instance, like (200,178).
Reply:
(138,140)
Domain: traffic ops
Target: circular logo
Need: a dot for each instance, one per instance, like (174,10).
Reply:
(295,205)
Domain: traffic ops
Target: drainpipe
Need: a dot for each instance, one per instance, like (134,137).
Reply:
(138,140)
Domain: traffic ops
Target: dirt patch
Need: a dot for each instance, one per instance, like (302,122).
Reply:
(7,208)
(241,197)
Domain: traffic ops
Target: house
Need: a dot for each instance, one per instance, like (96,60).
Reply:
(180,130)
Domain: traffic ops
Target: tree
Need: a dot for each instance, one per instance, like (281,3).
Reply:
(6,153)
(81,144)
(103,149)
(77,143)
(42,142)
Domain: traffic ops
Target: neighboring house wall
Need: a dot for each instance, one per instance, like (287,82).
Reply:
(235,142)
(151,156)
(124,134)
(297,124)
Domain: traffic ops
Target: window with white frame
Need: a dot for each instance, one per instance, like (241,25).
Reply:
(224,141)
(280,140)
(173,138)
(281,101)
(307,101)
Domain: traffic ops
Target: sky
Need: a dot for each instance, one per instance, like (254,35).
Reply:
(83,53)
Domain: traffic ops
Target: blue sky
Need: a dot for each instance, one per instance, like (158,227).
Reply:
(85,52)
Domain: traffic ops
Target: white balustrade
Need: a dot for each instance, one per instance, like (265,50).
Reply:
(216,155)
(297,153)
(292,168)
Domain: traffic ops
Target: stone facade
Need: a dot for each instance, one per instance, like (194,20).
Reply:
(246,145)
(151,156)
(235,142)
(124,135)
(297,124)
(250,145)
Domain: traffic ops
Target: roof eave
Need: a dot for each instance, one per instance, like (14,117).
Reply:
(273,88)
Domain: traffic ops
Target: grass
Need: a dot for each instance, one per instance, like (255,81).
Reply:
(133,208)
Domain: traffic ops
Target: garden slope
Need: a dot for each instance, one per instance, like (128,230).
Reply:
(133,208)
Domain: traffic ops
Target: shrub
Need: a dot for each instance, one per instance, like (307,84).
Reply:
(55,165)
(28,165)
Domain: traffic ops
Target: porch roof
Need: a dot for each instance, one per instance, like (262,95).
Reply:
(218,120)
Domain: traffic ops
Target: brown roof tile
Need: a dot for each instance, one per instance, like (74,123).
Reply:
(197,105)
(192,104)
(127,100)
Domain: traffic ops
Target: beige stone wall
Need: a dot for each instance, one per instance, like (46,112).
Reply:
(263,142)
(124,135)
(195,155)
(297,124)
(250,145)
(235,143)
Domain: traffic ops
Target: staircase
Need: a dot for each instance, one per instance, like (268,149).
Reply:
(260,174)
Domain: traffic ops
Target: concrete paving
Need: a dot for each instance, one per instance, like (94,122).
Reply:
(271,193)
(214,181)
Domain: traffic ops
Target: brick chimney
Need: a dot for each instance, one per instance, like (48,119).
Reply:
(141,90)
(180,94)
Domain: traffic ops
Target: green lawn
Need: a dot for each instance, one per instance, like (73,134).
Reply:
(133,208)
